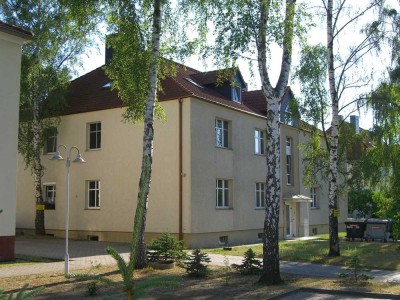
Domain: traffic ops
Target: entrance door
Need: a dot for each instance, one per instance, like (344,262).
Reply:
(289,222)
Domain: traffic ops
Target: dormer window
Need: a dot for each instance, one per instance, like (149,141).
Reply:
(107,85)
(237,94)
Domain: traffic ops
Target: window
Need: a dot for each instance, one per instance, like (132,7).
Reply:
(288,161)
(260,236)
(93,195)
(51,141)
(223,240)
(221,133)
(222,193)
(94,136)
(314,197)
(237,94)
(260,194)
(50,196)
(259,142)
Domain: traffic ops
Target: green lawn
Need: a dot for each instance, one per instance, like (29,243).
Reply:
(373,255)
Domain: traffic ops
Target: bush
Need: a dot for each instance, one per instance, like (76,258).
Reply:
(195,266)
(250,264)
(166,247)
(355,268)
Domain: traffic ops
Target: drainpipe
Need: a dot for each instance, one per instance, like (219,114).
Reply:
(180,173)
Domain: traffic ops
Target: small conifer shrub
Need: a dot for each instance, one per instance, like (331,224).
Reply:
(195,265)
(250,264)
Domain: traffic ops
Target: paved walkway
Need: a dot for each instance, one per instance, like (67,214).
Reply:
(84,254)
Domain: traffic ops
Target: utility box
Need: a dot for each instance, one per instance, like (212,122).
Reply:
(355,228)
(378,229)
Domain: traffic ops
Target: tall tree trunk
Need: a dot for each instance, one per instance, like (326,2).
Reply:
(271,270)
(138,251)
(333,153)
(38,173)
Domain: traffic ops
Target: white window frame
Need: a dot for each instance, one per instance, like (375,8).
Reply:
(54,192)
(224,187)
(97,134)
(97,195)
(259,141)
(222,131)
(314,197)
(260,194)
(289,162)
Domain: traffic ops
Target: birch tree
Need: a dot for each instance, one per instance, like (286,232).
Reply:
(142,31)
(339,68)
(62,30)
(248,29)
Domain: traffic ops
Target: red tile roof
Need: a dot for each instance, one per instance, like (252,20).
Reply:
(14,30)
(87,93)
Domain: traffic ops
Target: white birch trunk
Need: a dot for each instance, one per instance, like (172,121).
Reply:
(333,151)
(271,269)
(138,251)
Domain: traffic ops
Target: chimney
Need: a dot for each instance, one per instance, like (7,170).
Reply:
(355,121)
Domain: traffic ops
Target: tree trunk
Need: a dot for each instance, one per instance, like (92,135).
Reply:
(271,270)
(138,250)
(37,172)
(333,153)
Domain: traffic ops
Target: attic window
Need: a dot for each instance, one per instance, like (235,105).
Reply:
(193,82)
(107,85)
(237,94)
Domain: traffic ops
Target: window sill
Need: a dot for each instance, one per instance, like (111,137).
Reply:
(224,148)
(314,208)
(92,208)
(224,208)
(259,154)
(260,208)
(97,149)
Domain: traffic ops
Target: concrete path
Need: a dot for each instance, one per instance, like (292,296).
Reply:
(84,254)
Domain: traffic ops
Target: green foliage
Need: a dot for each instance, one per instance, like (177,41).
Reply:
(166,247)
(92,288)
(315,158)
(362,201)
(355,267)
(312,74)
(132,289)
(22,294)
(250,264)
(195,266)
(49,60)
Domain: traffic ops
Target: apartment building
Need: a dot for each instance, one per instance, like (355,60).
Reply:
(208,180)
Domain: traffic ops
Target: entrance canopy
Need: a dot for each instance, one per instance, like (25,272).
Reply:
(291,198)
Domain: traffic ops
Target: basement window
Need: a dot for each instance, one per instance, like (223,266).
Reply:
(223,240)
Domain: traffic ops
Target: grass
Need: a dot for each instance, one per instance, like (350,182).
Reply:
(373,255)
(216,286)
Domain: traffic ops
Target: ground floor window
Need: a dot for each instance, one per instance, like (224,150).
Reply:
(50,196)
(222,193)
(93,193)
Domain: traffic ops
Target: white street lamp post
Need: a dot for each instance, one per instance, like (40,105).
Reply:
(78,159)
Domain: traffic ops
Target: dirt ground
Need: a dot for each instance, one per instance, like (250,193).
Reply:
(221,284)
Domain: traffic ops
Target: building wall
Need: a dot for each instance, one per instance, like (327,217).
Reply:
(117,165)
(10,62)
